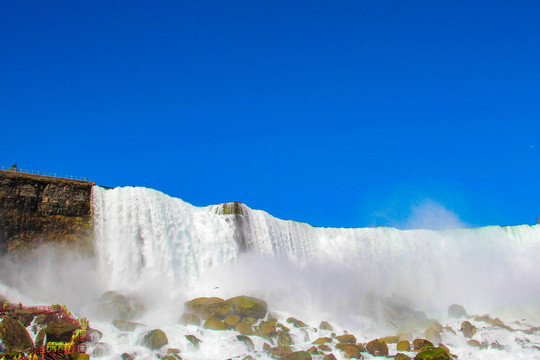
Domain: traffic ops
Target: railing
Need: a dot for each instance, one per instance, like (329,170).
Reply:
(43,173)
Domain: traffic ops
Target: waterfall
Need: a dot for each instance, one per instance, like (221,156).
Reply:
(144,233)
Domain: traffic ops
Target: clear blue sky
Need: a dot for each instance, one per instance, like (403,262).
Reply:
(335,113)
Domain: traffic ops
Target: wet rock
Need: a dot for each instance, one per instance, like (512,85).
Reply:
(329,357)
(403,345)
(244,329)
(496,345)
(125,325)
(24,316)
(420,343)
(113,305)
(173,351)
(347,338)
(56,331)
(94,335)
(231,321)
(207,307)
(247,341)
(101,349)
(456,311)
(467,329)
(475,343)
(246,306)
(297,355)
(267,329)
(390,339)
(126,356)
(78,356)
(322,340)
(313,350)
(324,347)
(194,341)
(279,351)
(325,325)
(283,338)
(14,336)
(401,356)
(154,339)
(190,319)
(296,322)
(433,354)
(377,348)
(214,323)
(433,334)
(351,351)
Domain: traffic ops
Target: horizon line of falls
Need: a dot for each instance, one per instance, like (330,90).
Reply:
(142,234)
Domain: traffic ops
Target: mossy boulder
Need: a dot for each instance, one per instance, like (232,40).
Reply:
(279,351)
(194,341)
(467,329)
(347,338)
(324,348)
(57,331)
(403,345)
(247,341)
(125,325)
(207,307)
(456,311)
(189,319)
(246,306)
(433,354)
(297,323)
(267,329)
(214,323)
(351,351)
(126,356)
(420,343)
(231,321)
(154,339)
(297,355)
(322,340)
(24,316)
(14,336)
(329,357)
(78,356)
(284,338)
(377,347)
(390,339)
(244,328)
(401,356)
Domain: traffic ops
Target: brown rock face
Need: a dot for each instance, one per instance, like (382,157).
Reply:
(377,348)
(36,209)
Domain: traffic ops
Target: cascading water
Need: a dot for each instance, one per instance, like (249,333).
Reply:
(142,232)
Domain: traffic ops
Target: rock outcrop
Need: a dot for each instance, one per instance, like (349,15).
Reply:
(37,209)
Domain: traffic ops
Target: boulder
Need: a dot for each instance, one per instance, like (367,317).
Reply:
(296,322)
(78,356)
(433,334)
(433,354)
(403,345)
(475,343)
(113,305)
(14,336)
(324,347)
(214,323)
(377,348)
(456,311)
(126,356)
(420,343)
(401,356)
(390,339)
(246,306)
(24,316)
(244,328)
(467,329)
(313,351)
(322,340)
(154,339)
(57,331)
(297,355)
(190,319)
(351,351)
(284,338)
(207,307)
(325,325)
(125,325)
(194,341)
(231,321)
(267,329)
(101,349)
(329,357)
(247,341)
(279,351)
(347,338)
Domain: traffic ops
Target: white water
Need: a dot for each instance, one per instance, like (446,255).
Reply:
(166,251)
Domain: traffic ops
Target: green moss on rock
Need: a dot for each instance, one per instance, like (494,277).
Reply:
(433,354)
(194,341)
(246,306)
(207,307)
(154,339)
(297,355)
(14,336)
(214,323)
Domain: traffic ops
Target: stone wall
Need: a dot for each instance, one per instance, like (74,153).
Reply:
(37,209)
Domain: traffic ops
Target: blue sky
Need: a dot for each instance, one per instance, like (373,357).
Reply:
(335,113)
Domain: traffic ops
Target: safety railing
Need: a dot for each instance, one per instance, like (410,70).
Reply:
(43,173)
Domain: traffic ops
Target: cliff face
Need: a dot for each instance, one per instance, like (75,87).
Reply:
(37,209)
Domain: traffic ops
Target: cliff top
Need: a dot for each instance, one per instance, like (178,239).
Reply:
(45,178)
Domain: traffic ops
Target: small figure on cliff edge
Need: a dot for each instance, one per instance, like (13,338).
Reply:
(13,167)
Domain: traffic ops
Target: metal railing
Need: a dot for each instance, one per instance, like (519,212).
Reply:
(43,173)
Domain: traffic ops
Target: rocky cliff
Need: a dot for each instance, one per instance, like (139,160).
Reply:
(37,209)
